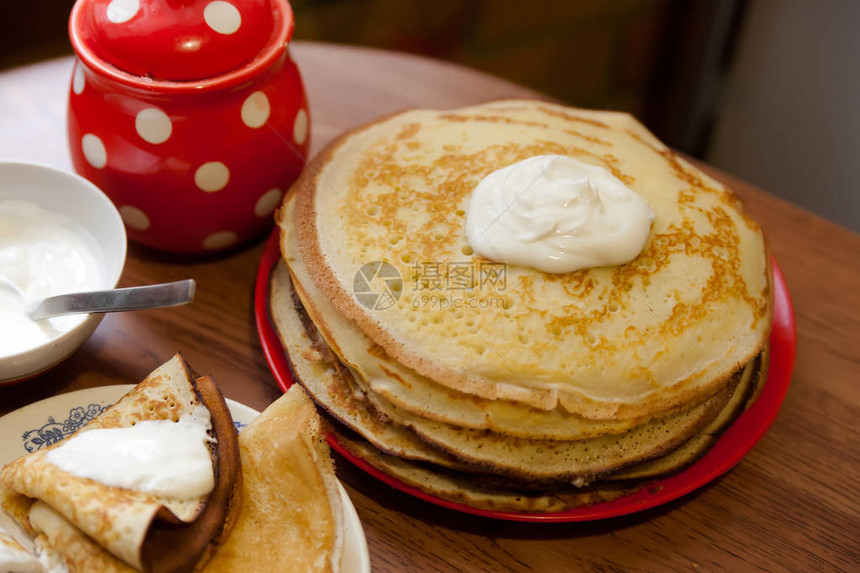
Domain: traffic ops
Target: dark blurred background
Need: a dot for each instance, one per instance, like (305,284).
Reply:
(765,89)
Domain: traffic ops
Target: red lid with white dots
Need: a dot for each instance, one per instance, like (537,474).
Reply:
(179,40)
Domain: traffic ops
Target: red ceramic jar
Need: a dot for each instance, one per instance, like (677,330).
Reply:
(189,114)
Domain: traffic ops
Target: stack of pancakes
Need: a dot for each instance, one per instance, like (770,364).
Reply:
(500,386)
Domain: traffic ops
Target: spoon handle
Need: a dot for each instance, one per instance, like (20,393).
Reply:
(116,300)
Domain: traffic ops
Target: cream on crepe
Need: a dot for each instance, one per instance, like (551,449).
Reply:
(143,527)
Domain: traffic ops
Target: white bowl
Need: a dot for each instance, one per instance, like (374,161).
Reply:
(79,200)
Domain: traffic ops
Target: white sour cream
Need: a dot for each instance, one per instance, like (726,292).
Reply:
(558,215)
(44,254)
(162,457)
(50,559)
(14,558)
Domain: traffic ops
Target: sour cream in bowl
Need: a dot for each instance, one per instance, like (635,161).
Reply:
(58,234)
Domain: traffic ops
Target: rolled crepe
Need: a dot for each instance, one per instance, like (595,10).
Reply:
(144,531)
(292,515)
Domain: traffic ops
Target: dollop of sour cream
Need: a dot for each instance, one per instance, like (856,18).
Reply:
(14,558)
(162,457)
(558,215)
(44,254)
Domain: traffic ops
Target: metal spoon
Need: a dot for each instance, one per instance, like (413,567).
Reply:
(114,300)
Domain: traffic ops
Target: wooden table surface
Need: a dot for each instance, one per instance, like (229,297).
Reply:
(791,504)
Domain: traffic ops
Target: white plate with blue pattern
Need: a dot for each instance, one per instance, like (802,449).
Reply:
(48,421)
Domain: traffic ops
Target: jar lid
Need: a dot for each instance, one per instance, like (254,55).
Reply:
(176,40)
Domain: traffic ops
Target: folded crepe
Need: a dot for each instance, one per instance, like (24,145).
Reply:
(292,513)
(97,527)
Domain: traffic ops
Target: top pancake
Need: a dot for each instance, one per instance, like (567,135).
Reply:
(666,329)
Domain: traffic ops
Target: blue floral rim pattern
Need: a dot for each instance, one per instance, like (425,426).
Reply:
(52,431)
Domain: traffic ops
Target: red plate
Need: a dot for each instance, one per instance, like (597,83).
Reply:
(728,451)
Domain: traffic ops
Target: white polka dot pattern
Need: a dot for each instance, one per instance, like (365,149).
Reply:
(212,176)
(134,217)
(266,204)
(119,11)
(256,110)
(300,127)
(153,125)
(94,150)
(219,240)
(78,80)
(222,17)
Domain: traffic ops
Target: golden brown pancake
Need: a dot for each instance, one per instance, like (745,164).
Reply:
(577,461)
(79,552)
(413,438)
(666,330)
(332,385)
(570,388)
(292,514)
(146,532)
(694,448)
(491,493)
(420,395)
(475,492)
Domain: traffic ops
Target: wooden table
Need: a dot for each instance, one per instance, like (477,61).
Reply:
(791,504)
